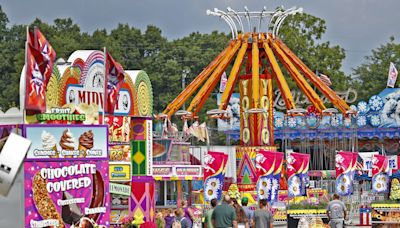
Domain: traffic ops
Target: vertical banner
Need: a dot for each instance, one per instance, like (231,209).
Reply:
(344,166)
(277,176)
(222,84)
(392,76)
(39,61)
(265,165)
(138,156)
(114,77)
(141,146)
(305,179)
(214,174)
(294,170)
(380,177)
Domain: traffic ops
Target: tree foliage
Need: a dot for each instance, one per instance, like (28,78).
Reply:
(164,60)
(371,75)
(302,33)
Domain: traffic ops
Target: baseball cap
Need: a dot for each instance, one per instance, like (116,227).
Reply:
(245,200)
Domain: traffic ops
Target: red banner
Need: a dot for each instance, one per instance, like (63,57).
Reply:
(380,164)
(114,77)
(264,162)
(214,163)
(278,163)
(294,164)
(35,98)
(344,162)
(214,174)
(49,54)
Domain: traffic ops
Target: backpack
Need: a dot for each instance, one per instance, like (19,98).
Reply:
(177,224)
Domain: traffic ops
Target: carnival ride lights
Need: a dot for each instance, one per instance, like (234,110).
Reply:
(258,52)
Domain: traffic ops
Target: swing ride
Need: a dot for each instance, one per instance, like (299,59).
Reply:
(261,54)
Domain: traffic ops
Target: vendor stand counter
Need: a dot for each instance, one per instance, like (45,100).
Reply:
(295,216)
(385,213)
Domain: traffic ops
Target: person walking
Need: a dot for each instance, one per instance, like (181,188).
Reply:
(188,211)
(263,217)
(336,211)
(241,217)
(208,215)
(249,213)
(181,219)
(160,220)
(169,218)
(224,215)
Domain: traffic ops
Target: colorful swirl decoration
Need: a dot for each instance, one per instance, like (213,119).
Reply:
(52,95)
(144,95)
(95,58)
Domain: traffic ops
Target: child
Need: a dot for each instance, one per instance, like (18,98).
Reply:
(169,218)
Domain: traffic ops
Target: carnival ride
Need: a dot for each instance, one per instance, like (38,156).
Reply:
(260,53)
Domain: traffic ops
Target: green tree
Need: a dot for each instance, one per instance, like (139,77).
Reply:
(302,33)
(12,47)
(371,75)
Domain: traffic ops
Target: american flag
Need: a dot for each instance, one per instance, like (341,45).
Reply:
(325,79)
(359,165)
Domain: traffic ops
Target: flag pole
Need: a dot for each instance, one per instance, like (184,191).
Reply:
(23,79)
(105,83)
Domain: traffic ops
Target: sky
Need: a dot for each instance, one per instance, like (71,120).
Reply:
(356,25)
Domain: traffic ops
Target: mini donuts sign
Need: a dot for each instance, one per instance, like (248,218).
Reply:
(66,194)
(84,81)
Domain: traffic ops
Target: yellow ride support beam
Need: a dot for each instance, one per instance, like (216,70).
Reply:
(255,71)
(200,98)
(298,78)
(196,83)
(270,94)
(234,75)
(326,90)
(280,79)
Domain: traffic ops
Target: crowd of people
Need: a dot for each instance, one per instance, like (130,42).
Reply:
(228,214)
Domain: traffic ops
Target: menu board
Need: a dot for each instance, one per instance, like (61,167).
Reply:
(66,193)
(67,141)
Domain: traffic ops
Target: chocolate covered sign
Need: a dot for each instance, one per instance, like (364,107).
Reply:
(67,194)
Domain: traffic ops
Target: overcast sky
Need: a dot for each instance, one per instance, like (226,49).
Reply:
(356,25)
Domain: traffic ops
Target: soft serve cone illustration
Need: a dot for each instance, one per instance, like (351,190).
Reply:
(49,143)
(85,143)
(67,142)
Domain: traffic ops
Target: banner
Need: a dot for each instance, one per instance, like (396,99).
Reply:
(276,176)
(294,171)
(214,174)
(392,76)
(265,165)
(114,77)
(39,61)
(48,52)
(222,84)
(305,179)
(380,177)
(344,166)
(35,99)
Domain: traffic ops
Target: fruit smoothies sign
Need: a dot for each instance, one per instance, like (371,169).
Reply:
(66,194)
(66,141)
